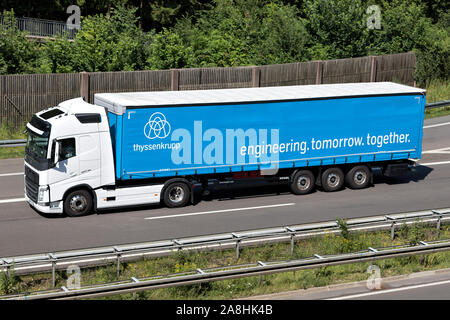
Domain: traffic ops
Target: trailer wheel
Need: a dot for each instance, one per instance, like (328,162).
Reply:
(358,177)
(332,179)
(302,182)
(176,195)
(78,203)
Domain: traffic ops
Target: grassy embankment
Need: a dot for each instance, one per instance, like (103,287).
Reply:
(10,133)
(438,91)
(322,245)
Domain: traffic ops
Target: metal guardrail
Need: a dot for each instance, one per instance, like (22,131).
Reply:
(439,104)
(43,28)
(235,271)
(22,142)
(13,143)
(235,240)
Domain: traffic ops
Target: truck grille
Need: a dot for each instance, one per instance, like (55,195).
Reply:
(31,184)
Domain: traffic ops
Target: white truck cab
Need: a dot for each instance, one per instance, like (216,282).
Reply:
(63,157)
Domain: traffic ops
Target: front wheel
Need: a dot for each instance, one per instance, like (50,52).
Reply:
(78,203)
(176,195)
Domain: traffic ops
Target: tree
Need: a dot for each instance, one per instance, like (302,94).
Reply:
(337,28)
(110,44)
(17,53)
(167,51)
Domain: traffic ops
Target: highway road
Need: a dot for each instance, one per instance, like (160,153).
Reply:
(24,231)
(428,285)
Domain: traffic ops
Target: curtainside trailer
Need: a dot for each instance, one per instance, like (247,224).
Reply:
(149,147)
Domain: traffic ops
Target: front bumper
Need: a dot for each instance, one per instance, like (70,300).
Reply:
(56,209)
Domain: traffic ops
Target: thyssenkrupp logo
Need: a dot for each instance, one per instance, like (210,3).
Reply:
(157,126)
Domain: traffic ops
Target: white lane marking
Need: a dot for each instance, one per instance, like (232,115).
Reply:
(11,174)
(12,200)
(437,125)
(441,150)
(434,163)
(391,290)
(220,211)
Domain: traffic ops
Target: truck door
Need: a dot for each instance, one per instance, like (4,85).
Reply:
(67,166)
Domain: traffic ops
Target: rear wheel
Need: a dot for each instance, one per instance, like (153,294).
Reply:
(176,195)
(332,179)
(358,177)
(78,203)
(302,182)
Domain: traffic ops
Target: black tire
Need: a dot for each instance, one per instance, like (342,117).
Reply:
(78,203)
(358,177)
(332,179)
(176,195)
(303,182)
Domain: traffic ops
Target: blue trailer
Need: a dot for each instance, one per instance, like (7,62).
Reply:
(304,136)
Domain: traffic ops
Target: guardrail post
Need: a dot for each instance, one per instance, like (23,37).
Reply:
(179,244)
(7,274)
(117,251)
(389,218)
(393,230)
(292,238)
(438,225)
(238,242)
(317,269)
(292,244)
(438,222)
(53,260)
(262,264)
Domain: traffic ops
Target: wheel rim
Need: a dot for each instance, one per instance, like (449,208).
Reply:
(360,177)
(78,203)
(333,180)
(303,182)
(176,194)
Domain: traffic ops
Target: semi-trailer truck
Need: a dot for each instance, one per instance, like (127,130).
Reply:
(139,148)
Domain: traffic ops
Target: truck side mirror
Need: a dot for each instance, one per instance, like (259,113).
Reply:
(56,155)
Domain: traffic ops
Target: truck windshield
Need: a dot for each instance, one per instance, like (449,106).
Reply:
(37,145)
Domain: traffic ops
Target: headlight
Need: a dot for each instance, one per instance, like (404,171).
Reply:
(42,192)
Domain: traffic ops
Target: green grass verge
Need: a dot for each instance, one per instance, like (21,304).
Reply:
(437,90)
(227,289)
(9,133)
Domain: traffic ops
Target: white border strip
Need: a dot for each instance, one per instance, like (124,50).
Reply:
(12,174)
(12,200)
(361,295)
(437,125)
(220,211)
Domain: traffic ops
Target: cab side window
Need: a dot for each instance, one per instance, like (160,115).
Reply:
(67,149)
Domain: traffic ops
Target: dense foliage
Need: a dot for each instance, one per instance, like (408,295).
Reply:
(138,35)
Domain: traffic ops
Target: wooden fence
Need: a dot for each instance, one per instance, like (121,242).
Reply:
(23,95)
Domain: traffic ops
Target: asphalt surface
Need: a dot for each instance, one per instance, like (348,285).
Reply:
(434,285)
(24,231)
